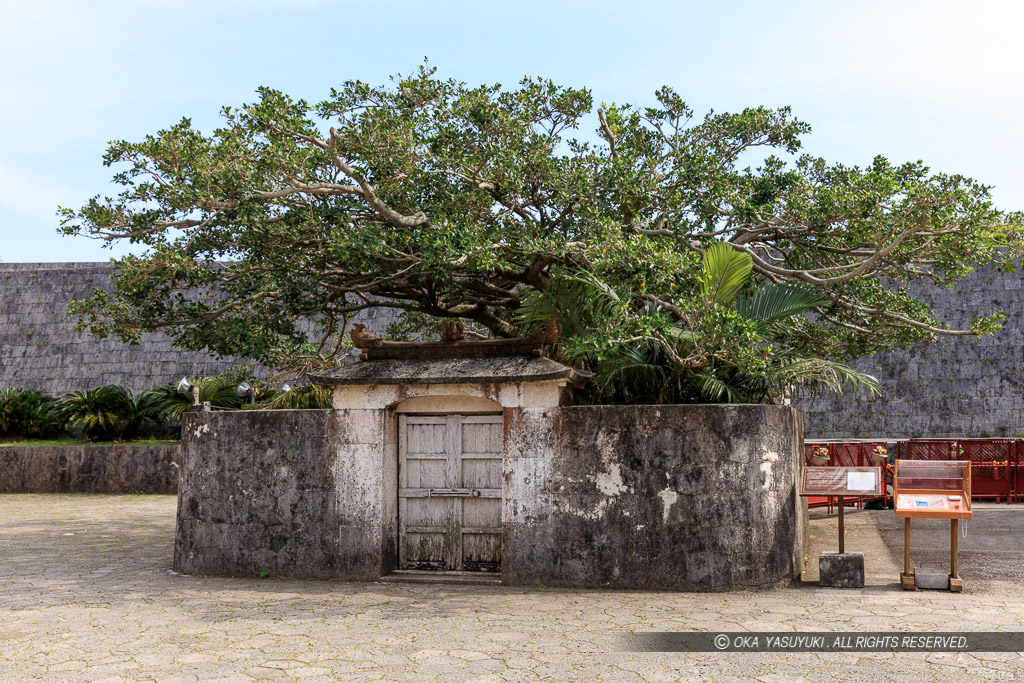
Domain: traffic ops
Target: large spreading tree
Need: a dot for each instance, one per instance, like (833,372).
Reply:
(439,200)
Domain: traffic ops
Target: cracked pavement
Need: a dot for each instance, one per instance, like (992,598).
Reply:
(87,594)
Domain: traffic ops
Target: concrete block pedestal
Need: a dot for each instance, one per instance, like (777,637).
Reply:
(841,570)
(938,579)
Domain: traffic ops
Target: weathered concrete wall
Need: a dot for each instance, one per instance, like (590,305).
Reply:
(665,497)
(362,488)
(128,468)
(958,386)
(258,495)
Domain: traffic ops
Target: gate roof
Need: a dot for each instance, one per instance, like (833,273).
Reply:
(499,370)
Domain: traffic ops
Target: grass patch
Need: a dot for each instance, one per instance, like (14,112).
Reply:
(69,441)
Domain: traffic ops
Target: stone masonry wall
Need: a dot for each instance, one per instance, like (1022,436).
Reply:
(957,386)
(691,497)
(128,468)
(40,350)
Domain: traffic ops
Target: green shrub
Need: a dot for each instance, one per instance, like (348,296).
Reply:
(147,406)
(219,392)
(305,397)
(26,412)
(100,413)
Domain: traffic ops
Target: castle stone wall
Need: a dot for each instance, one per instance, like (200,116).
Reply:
(39,349)
(956,386)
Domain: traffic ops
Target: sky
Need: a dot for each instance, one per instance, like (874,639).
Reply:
(937,81)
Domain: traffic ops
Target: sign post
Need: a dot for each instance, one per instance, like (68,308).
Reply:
(842,569)
(933,489)
(842,526)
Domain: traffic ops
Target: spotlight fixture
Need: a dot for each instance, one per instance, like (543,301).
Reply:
(245,390)
(186,387)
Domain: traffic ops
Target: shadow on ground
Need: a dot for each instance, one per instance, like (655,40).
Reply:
(991,546)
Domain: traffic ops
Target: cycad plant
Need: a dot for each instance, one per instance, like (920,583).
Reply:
(149,406)
(26,412)
(100,413)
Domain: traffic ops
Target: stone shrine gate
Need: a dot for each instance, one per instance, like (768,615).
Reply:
(468,457)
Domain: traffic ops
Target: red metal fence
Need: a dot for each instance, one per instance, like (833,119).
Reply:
(997,465)
(845,455)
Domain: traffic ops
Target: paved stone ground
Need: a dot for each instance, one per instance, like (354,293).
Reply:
(991,546)
(881,568)
(86,594)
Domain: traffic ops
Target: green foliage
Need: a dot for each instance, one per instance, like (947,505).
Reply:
(100,413)
(113,412)
(778,302)
(149,406)
(220,392)
(28,413)
(442,200)
(681,364)
(305,397)
(725,271)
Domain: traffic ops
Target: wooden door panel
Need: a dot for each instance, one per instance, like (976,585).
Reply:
(425,551)
(427,439)
(482,437)
(427,512)
(481,552)
(481,473)
(449,496)
(424,521)
(481,514)
(423,473)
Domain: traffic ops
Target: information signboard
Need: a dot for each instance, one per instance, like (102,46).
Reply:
(933,489)
(849,482)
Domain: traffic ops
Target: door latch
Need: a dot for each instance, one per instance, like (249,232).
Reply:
(466,493)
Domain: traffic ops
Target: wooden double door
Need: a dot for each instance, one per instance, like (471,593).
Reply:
(449,492)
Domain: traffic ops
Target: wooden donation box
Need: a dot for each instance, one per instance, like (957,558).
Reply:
(842,482)
(932,489)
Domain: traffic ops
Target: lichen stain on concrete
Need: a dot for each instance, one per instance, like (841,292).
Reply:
(200,429)
(594,514)
(768,468)
(610,482)
(668,499)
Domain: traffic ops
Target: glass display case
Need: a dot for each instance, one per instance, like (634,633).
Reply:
(933,489)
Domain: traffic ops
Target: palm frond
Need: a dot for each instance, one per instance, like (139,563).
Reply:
(819,374)
(718,390)
(580,302)
(638,370)
(725,272)
(778,301)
